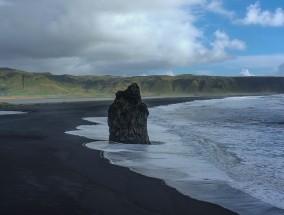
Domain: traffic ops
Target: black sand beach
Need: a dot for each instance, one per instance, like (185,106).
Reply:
(45,171)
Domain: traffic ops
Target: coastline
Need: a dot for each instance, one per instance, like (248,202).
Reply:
(218,192)
(30,100)
(49,172)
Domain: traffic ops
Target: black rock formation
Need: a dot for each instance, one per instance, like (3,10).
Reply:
(127,117)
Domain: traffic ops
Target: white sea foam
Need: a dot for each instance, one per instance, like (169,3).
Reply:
(10,112)
(233,142)
(242,137)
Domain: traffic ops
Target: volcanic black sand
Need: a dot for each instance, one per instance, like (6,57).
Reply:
(45,171)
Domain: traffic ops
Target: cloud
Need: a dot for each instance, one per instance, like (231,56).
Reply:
(257,61)
(160,72)
(222,43)
(261,65)
(280,70)
(3,3)
(216,6)
(169,73)
(256,16)
(106,37)
(246,72)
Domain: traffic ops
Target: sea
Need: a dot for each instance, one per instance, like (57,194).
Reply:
(226,151)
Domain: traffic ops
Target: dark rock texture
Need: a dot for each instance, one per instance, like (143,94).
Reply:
(127,117)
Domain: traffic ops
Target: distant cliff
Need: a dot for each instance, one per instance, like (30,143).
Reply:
(20,83)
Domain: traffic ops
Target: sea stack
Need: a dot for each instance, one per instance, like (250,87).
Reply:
(127,117)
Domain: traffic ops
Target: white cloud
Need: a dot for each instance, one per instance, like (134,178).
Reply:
(159,72)
(246,72)
(256,16)
(222,43)
(169,73)
(3,3)
(257,61)
(216,6)
(261,65)
(106,37)
(280,70)
(203,72)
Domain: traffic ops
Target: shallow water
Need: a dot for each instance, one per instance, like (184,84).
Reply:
(227,151)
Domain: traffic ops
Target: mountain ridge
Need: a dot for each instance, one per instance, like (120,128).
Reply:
(21,83)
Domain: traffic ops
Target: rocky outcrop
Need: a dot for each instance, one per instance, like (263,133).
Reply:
(127,117)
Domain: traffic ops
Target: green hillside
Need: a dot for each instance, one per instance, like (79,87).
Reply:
(20,83)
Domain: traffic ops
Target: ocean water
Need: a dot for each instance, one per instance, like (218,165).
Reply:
(227,151)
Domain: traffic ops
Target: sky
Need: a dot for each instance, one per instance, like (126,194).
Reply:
(143,37)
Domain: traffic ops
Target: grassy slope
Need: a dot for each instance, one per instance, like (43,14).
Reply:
(20,83)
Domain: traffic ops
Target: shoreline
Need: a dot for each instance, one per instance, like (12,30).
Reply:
(225,192)
(26,100)
(49,172)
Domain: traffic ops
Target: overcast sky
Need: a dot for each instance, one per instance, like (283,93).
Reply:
(142,37)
